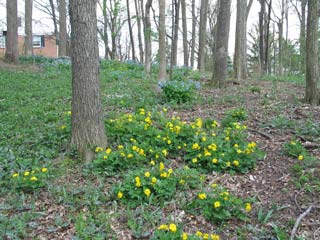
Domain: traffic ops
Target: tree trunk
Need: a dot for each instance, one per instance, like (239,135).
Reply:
(147,38)
(54,18)
(174,45)
(130,32)
(12,51)
(203,34)
(62,28)
(138,15)
(312,63)
(302,38)
(267,40)
(28,43)
(193,40)
(185,33)
(162,40)
(88,128)
(240,54)
(221,45)
(262,44)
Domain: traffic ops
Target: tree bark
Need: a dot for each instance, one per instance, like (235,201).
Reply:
(302,38)
(54,18)
(202,34)
(88,128)
(138,16)
(162,40)
(193,40)
(174,45)
(312,94)
(262,43)
(240,54)
(12,51)
(185,34)
(28,43)
(131,33)
(221,46)
(62,28)
(147,38)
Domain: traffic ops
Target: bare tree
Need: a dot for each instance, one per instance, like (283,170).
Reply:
(62,28)
(162,40)
(185,33)
(28,28)
(193,38)
(312,94)
(130,32)
(49,8)
(147,37)
(202,34)
(138,17)
(12,52)
(87,117)
(221,45)
(175,33)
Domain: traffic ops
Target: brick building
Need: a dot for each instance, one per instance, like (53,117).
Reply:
(43,45)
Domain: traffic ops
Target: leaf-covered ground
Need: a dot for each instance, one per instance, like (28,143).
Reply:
(76,203)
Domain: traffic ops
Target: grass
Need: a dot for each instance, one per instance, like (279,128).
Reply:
(78,201)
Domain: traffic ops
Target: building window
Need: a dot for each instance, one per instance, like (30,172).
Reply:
(2,41)
(38,41)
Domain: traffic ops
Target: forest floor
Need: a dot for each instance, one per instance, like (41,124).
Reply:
(76,204)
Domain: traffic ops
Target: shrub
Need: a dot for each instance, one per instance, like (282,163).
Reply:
(179,91)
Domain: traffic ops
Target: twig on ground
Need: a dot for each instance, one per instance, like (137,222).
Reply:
(296,225)
(261,133)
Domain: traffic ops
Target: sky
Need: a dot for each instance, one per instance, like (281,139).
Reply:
(42,24)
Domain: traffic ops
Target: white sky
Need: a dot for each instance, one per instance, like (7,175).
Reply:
(42,23)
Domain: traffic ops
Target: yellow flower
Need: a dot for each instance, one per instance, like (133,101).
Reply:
(182,182)
(236,145)
(194,160)
(69,113)
(108,151)
(172,227)
(207,153)
(169,142)
(214,185)
(170,171)
(184,236)
(44,170)
(164,109)
(239,151)
(227,139)
(153,180)
(215,237)
(164,175)
(134,148)
(248,207)
(213,147)
(34,178)
(203,139)
(130,155)
(152,163)
(26,174)
(120,195)
(205,236)
(236,163)
(138,183)
(147,192)
(214,160)
(141,152)
(63,127)
(147,174)
(179,147)
(163,227)
(202,196)
(198,122)
(148,120)
(199,234)
(196,146)
(161,166)
(98,149)
(14,175)
(217,204)
(300,157)
(157,156)
(293,143)
(228,164)
(120,147)
(165,152)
